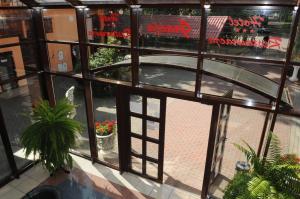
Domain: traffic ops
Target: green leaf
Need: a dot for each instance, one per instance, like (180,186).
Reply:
(52,134)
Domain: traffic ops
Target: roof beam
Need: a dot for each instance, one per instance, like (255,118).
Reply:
(74,2)
(30,3)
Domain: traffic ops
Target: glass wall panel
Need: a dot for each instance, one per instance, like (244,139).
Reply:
(64,58)
(249,80)
(10,3)
(171,28)
(287,129)
(60,24)
(16,25)
(17,61)
(16,104)
(105,112)
(109,26)
(29,56)
(255,31)
(50,1)
(72,89)
(5,170)
(296,50)
(111,63)
(244,125)
(170,71)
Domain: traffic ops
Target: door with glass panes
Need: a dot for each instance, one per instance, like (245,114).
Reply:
(143,133)
(220,139)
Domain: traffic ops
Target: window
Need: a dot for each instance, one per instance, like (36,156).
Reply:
(254,31)
(48,25)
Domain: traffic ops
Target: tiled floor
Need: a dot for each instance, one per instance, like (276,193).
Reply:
(98,178)
(27,181)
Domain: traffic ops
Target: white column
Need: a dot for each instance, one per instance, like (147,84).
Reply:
(294,77)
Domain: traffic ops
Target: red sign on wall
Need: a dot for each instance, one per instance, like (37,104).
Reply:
(180,27)
(247,26)
(183,28)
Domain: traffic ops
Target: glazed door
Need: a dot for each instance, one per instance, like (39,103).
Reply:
(143,134)
(216,144)
(220,140)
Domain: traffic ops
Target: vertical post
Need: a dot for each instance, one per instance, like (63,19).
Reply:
(263,134)
(284,71)
(162,126)
(144,135)
(47,81)
(201,48)
(134,20)
(7,147)
(210,150)
(122,102)
(88,96)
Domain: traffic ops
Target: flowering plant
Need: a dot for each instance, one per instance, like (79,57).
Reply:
(105,128)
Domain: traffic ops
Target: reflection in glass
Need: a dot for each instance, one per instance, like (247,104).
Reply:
(136,104)
(105,110)
(152,169)
(296,50)
(16,104)
(136,146)
(73,90)
(158,70)
(64,58)
(136,125)
(170,28)
(60,24)
(153,107)
(109,26)
(111,63)
(152,129)
(16,23)
(152,150)
(136,164)
(5,170)
(257,31)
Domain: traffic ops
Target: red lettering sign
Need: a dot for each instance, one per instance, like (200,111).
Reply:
(183,28)
(123,34)
(273,42)
(253,22)
(114,17)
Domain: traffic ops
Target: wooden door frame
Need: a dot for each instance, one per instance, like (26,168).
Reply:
(124,135)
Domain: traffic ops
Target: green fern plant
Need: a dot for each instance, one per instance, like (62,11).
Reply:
(276,177)
(52,134)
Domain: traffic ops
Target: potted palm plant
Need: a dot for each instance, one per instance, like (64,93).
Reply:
(105,133)
(52,134)
(274,177)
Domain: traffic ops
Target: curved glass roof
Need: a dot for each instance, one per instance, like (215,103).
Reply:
(241,76)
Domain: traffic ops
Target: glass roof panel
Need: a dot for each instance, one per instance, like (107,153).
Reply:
(49,1)
(104,2)
(266,2)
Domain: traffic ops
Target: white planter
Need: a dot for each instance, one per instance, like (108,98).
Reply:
(294,77)
(106,143)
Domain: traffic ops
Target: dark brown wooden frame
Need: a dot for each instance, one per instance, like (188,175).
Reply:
(125,135)
(47,82)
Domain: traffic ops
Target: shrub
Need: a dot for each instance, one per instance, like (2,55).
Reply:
(276,177)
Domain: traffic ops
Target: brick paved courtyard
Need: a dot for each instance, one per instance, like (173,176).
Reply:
(187,129)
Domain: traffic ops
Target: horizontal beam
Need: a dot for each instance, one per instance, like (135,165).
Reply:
(30,3)
(75,2)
